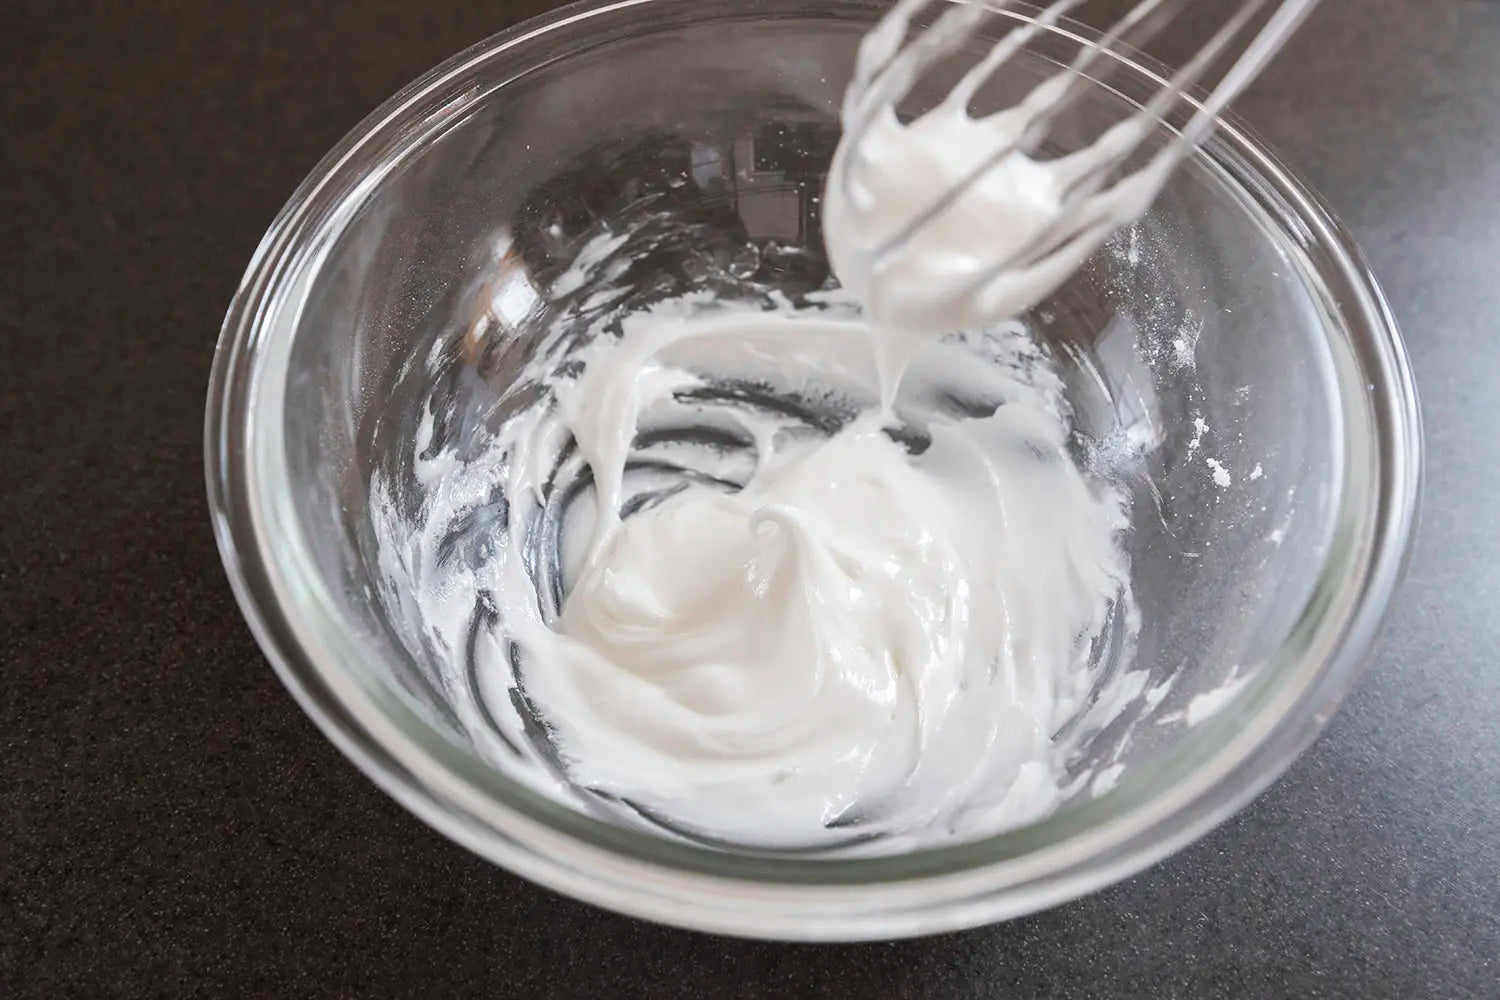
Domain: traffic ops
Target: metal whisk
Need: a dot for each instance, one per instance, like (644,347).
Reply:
(1099,191)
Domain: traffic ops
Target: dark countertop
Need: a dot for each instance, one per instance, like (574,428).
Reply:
(171,823)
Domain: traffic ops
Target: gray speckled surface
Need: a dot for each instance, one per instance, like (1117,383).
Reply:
(170,823)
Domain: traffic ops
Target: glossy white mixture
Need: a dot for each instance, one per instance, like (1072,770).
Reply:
(855,637)
(936,278)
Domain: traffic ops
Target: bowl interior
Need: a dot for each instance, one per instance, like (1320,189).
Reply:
(1206,371)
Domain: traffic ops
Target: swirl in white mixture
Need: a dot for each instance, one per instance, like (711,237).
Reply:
(856,640)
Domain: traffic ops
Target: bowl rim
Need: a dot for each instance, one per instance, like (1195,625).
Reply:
(927,891)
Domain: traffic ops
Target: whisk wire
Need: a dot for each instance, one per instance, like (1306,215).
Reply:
(1094,181)
(1041,106)
(1089,203)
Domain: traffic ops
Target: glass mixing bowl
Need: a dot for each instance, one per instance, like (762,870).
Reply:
(1230,364)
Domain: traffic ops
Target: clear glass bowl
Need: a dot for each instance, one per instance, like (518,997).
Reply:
(1236,324)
